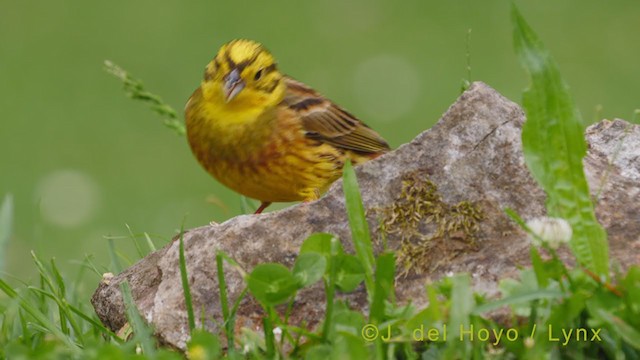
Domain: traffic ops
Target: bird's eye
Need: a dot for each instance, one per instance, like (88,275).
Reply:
(258,75)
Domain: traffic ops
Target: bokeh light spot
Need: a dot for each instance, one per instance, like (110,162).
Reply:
(68,198)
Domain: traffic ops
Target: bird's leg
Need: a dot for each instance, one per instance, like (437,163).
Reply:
(262,207)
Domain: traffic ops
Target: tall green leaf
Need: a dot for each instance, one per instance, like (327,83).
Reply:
(385,275)
(554,146)
(462,304)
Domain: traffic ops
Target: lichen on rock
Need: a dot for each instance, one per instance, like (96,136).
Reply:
(430,230)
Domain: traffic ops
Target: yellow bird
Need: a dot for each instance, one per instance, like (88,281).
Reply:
(268,136)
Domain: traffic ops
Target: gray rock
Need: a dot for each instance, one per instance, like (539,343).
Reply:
(612,167)
(469,167)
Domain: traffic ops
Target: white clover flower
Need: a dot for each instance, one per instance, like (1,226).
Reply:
(529,342)
(553,231)
(277,332)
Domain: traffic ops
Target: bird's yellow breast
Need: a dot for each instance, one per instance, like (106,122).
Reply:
(263,155)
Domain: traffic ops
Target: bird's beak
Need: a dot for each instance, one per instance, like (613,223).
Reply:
(233,84)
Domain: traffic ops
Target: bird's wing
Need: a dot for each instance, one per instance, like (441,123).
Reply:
(327,122)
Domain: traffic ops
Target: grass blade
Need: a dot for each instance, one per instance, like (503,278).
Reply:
(40,318)
(359,226)
(185,285)
(135,241)
(59,296)
(6,226)
(150,243)
(95,324)
(626,331)
(335,248)
(224,303)
(142,332)
(63,304)
(518,298)
(246,207)
(135,90)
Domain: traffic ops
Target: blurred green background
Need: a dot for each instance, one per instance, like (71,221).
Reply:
(82,160)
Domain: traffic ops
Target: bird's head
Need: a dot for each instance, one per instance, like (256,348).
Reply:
(244,73)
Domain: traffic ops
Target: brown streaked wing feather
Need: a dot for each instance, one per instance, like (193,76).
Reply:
(327,122)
